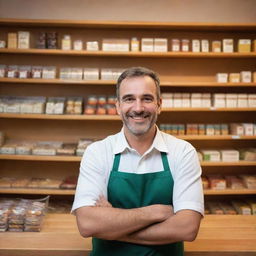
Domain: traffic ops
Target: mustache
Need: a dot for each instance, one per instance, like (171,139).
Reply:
(138,114)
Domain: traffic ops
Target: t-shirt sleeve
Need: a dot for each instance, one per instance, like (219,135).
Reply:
(91,181)
(188,190)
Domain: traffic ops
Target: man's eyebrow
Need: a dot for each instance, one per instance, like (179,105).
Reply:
(127,96)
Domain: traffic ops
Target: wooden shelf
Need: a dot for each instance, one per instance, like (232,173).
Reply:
(116,117)
(113,83)
(78,159)
(230,192)
(41,158)
(191,26)
(218,235)
(215,137)
(128,54)
(223,164)
(37,191)
(60,117)
(212,109)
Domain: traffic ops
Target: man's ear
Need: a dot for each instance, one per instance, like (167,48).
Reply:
(118,107)
(159,105)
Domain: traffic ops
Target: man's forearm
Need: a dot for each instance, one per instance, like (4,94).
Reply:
(112,223)
(182,226)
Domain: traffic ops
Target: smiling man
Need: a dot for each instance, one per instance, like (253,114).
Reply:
(139,191)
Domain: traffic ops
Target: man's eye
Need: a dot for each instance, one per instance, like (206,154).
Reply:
(148,99)
(128,99)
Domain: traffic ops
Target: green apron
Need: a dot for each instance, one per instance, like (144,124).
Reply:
(131,190)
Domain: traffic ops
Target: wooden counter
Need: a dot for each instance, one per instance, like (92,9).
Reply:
(219,235)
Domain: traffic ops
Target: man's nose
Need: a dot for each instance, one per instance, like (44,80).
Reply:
(138,105)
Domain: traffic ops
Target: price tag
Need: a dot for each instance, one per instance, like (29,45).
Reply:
(235,137)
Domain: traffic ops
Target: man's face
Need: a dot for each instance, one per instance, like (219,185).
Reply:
(138,105)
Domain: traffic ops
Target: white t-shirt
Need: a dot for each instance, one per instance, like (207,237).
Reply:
(97,163)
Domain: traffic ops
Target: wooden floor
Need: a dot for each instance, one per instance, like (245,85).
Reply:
(219,235)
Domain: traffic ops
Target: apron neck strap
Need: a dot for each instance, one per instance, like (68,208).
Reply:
(116,162)
(165,161)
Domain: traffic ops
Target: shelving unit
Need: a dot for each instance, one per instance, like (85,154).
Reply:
(179,72)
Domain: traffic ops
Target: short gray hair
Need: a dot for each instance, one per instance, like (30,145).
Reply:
(138,72)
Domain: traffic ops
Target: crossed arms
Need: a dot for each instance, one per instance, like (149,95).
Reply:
(150,225)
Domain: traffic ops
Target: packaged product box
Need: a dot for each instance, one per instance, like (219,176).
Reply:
(2,44)
(46,148)
(228,45)
(205,182)
(206,100)
(92,46)
(217,129)
(185,45)
(201,129)
(23,39)
(78,45)
(160,45)
(224,129)
(177,100)
(91,74)
(222,77)
(8,148)
(196,100)
(252,204)
(229,155)
(185,98)
(66,42)
(227,208)
(248,154)
(36,72)
(12,71)
(219,100)
(175,45)
(205,45)
(135,44)
(248,129)
(211,155)
(246,76)
(216,46)
(242,100)
(121,45)
(249,181)
(252,100)
(147,44)
(231,100)
(217,182)
(234,77)
(12,41)
(234,182)
(215,208)
(167,100)
(241,207)
(236,129)
(52,40)
(2,71)
(67,149)
(195,45)
(210,129)
(24,71)
(49,72)
(76,73)
(244,45)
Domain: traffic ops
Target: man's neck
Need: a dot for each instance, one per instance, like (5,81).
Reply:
(141,143)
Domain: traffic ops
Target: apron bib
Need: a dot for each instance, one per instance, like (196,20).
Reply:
(130,190)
